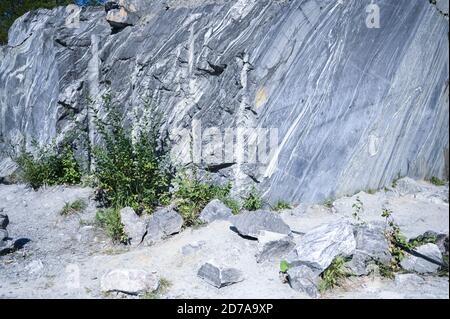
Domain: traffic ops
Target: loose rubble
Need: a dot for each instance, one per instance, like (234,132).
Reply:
(134,226)
(420,265)
(219,276)
(318,248)
(6,243)
(250,224)
(215,210)
(244,252)
(163,223)
(273,246)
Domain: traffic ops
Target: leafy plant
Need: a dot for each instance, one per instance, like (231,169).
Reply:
(437,182)
(253,201)
(281,205)
(284,266)
(192,195)
(109,219)
(328,203)
(232,203)
(332,276)
(48,166)
(74,207)
(358,209)
(394,237)
(131,172)
(395,181)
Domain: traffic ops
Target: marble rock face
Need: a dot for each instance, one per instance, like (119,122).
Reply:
(352,100)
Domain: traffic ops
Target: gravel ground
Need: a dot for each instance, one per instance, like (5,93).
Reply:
(66,256)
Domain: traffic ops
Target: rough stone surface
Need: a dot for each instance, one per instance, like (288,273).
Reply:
(374,103)
(219,276)
(163,223)
(420,265)
(215,210)
(4,221)
(35,267)
(3,238)
(441,240)
(372,242)
(304,279)
(320,246)
(129,281)
(371,247)
(250,224)
(273,245)
(134,226)
(415,213)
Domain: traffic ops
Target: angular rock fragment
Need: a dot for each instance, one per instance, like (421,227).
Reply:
(163,223)
(441,240)
(119,16)
(420,265)
(273,245)
(134,226)
(215,210)
(4,221)
(304,279)
(219,276)
(320,246)
(129,281)
(5,244)
(371,247)
(249,224)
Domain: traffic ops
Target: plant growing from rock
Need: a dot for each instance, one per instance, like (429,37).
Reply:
(328,203)
(333,275)
(394,237)
(192,195)
(358,209)
(253,201)
(437,182)
(74,207)
(109,219)
(281,205)
(395,181)
(163,288)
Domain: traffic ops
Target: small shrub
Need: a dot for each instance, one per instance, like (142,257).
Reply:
(281,205)
(437,182)
(133,172)
(332,276)
(358,209)
(328,203)
(76,206)
(49,166)
(109,219)
(395,181)
(394,237)
(253,201)
(284,266)
(192,195)
(233,204)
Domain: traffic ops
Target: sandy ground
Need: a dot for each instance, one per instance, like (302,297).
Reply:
(66,257)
